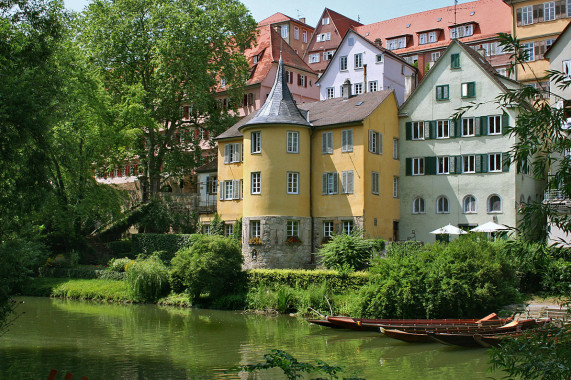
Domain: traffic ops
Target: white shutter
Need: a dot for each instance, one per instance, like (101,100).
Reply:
(221,190)
(236,189)
(324,183)
(379,143)
(227,153)
(426,130)
(371,141)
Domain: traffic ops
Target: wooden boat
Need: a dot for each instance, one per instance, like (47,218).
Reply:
(406,336)
(323,322)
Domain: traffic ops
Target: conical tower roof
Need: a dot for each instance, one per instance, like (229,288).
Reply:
(279,108)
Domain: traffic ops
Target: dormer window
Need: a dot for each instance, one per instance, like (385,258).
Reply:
(396,43)
(255,60)
(461,31)
(325,21)
(222,82)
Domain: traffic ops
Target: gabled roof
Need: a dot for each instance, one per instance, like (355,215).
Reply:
(280,17)
(374,46)
(268,45)
(279,107)
(477,58)
(328,112)
(492,17)
(342,23)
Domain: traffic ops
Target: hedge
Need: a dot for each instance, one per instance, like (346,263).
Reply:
(80,272)
(168,244)
(299,278)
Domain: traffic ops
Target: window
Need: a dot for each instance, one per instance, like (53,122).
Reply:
(358,60)
(527,15)
(358,88)
(379,58)
(330,92)
(431,36)
(461,31)
(375,142)
(529,49)
(469,204)
(347,182)
(418,205)
(442,92)
(418,166)
(304,36)
(256,183)
(434,56)
(284,31)
(418,130)
(329,184)
(292,182)
(327,143)
(292,142)
(442,129)
(373,86)
(395,149)
(292,228)
(256,138)
(327,55)
(469,163)
(314,58)
(442,205)
(325,21)
(347,227)
(255,228)
(301,80)
(494,203)
(495,162)
(549,11)
(211,184)
(228,229)
(296,32)
(323,37)
(289,77)
(206,229)
(375,183)
(401,42)
(222,82)
(422,38)
(568,8)
(494,125)
(347,140)
(327,229)
(395,187)
(455,61)
(232,153)
(230,189)
(468,89)
(443,165)
(468,127)
(343,63)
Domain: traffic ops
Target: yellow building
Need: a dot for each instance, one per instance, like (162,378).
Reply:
(537,24)
(296,175)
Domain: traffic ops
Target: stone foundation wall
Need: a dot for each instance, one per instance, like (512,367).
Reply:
(318,237)
(274,253)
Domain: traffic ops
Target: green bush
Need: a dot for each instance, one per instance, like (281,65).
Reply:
(302,279)
(121,247)
(118,265)
(147,244)
(147,279)
(351,252)
(212,264)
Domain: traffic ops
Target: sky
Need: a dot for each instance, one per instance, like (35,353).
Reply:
(365,11)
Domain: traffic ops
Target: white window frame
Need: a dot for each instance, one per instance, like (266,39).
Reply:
(284,31)
(358,88)
(255,228)
(442,129)
(358,60)
(443,165)
(495,162)
(432,38)
(495,125)
(549,11)
(469,163)
(330,92)
(314,58)
(417,132)
(304,36)
(256,141)
(293,182)
(418,166)
(232,153)
(435,56)
(489,204)
(347,227)
(331,183)
(292,228)
(468,127)
(347,140)
(347,182)
(530,48)
(375,142)
(292,145)
(373,86)
(325,21)
(327,142)
(343,63)
(255,183)
(442,205)
(469,204)
(527,15)
(327,55)
(418,206)
(422,38)
(228,229)
(328,228)
(296,32)
(375,183)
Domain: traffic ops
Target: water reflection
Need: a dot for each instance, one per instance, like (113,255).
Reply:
(109,341)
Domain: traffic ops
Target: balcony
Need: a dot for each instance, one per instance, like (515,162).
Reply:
(556,197)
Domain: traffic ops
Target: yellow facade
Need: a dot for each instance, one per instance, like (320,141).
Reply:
(229,210)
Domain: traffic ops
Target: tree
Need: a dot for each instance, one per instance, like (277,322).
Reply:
(158,56)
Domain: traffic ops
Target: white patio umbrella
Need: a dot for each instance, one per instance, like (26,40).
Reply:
(490,227)
(448,230)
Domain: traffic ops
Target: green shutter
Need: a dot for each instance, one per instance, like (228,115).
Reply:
(432,131)
(457,164)
(505,121)
(430,168)
(484,168)
(458,127)
(478,162)
(408,170)
(506,162)
(471,89)
(408,130)
(483,125)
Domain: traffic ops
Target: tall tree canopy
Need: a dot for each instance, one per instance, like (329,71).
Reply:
(158,55)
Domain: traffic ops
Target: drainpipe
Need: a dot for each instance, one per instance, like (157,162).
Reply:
(365,77)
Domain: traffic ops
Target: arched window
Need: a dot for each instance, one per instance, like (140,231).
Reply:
(418,205)
(494,203)
(529,199)
(469,204)
(442,205)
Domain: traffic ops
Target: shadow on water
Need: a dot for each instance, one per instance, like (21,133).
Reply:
(111,341)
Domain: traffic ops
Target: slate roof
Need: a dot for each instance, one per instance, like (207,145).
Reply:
(492,17)
(328,112)
(279,107)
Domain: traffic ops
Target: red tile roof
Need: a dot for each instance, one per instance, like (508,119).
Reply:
(492,17)
(280,17)
(268,45)
(341,22)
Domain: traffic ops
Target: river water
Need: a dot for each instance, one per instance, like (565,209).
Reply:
(110,341)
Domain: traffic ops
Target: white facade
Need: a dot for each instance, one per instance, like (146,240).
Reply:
(367,67)
(461,161)
(207,189)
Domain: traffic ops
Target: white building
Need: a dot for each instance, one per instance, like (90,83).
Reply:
(367,67)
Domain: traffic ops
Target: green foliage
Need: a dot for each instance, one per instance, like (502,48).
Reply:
(121,247)
(118,265)
(291,367)
(92,289)
(147,279)
(237,231)
(147,244)
(156,219)
(216,225)
(347,251)
(211,264)
(466,278)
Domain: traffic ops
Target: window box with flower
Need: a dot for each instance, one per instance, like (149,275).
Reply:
(293,240)
(255,240)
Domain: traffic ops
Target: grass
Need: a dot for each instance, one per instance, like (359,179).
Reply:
(93,289)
